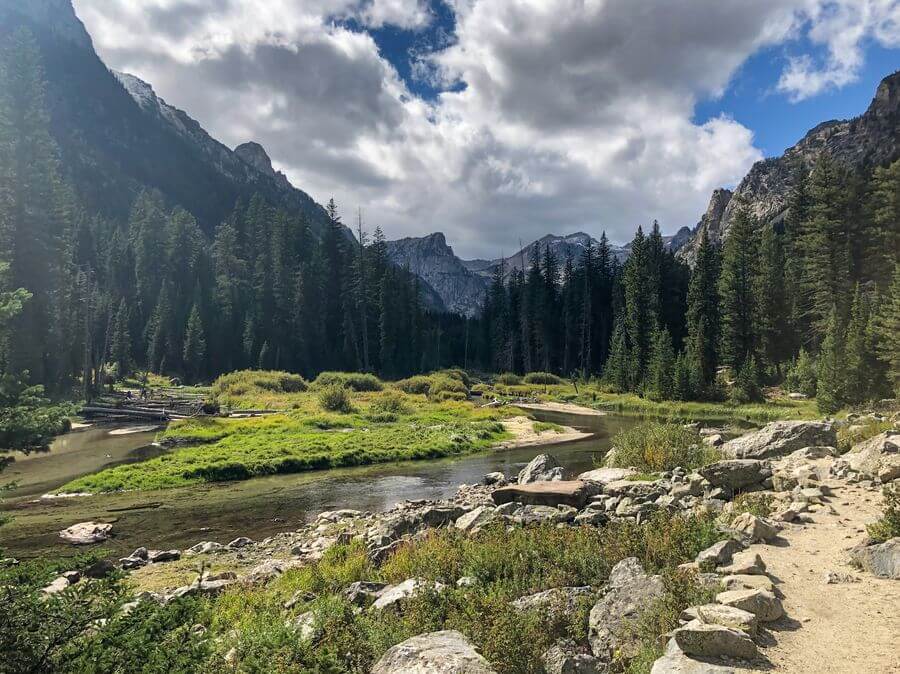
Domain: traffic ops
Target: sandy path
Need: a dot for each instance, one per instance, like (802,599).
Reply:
(847,628)
(568,408)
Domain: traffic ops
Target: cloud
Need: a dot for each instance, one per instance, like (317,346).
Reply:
(559,115)
(842,29)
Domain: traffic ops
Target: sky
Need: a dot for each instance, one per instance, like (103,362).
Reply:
(496,121)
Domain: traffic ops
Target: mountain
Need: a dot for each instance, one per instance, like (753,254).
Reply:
(863,142)
(433,261)
(117,137)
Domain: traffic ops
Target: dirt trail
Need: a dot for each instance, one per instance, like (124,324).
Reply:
(846,628)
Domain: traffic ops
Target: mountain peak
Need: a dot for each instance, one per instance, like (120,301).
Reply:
(56,15)
(255,154)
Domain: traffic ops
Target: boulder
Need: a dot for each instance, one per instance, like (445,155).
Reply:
(363,592)
(132,562)
(746,582)
(718,614)
(557,599)
(755,528)
(631,592)
(606,475)
(592,517)
(882,560)
(747,563)
(573,493)
(736,474)
(86,533)
(269,569)
(240,542)
(332,516)
(204,588)
(780,438)
(304,625)
(542,468)
(719,554)
(538,514)
(394,595)
(714,641)
(565,658)
(476,519)
(872,456)
(761,603)
(100,569)
(495,478)
(679,663)
(206,547)
(58,585)
(445,652)
(159,556)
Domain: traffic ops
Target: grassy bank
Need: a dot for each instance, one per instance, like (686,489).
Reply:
(372,427)
(252,624)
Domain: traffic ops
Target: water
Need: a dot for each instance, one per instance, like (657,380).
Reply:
(175,518)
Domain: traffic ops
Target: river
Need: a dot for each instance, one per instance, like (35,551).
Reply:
(176,518)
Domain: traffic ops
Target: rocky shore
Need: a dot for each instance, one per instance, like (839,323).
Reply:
(794,465)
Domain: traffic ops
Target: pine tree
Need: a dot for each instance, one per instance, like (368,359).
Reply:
(703,313)
(883,238)
(736,293)
(194,353)
(859,376)
(640,309)
(830,375)
(120,348)
(771,308)
(887,331)
(619,361)
(746,387)
(662,364)
(683,377)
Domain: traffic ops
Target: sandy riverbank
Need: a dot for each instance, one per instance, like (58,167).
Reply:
(566,408)
(524,435)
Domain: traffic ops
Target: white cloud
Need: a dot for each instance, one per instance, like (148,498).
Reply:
(841,28)
(575,115)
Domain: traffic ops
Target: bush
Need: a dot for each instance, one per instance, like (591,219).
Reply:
(441,383)
(853,434)
(655,447)
(355,381)
(27,418)
(444,396)
(242,382)
(390,402)
(801,377)
(335,398)
(543,378)
(418,385)
(509,379)
(887,527)
(458,374)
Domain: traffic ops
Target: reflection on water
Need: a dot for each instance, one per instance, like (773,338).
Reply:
(263,506)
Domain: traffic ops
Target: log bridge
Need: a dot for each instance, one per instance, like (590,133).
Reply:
(159,406)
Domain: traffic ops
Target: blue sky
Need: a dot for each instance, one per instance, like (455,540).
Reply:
(499,120)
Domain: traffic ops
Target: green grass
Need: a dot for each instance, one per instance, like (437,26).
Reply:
(889,525)
(653,446)
(854,433)
(542,426)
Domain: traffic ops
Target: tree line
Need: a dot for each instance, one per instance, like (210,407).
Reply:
(813,299)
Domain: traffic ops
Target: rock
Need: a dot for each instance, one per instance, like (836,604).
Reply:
(780,438)
(58,585)
(466,581)
(713,440)
(542,468)
(557,599)
(497,478)
(71,576)
(476,519)
(714,641)
(332,516)
(129,563)
(631,592)
(221,575)
(747,563)
(240,542)
(744,582)
(872,456)
(269,569)
(812,453)
(761,603)
(838,577)
(727,616)
(755,528)
(735,474)
(304,625)
(573,493)
(445,652)
(719,553)
(882,560)
(159,556)
(394,595)
(363,592)
(633,488)
(679,663)
(86,533)
(546,514)
(606,475)
(100,569)
(592,517)
(206,547)
(565,658)
(140,553)
(889,469)
(205,588)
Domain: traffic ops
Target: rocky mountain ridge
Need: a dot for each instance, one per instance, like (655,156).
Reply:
(869,140)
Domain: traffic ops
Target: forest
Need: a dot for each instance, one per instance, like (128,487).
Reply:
(813,302)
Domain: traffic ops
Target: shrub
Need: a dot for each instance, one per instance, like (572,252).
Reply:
(27,418)
(543,378)
(802,375)
(755,503)
(441,383)
(356,381)
(888,526)
(509,379)
(390,402)
(444,396)
(335,398)
(655,446)
(418,385)
(853,434)
(458,374)
(242,382)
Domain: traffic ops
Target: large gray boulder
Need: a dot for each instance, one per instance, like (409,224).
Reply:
(445,652)
(556,600)
(714,641)
(565,658)
(606,475)
(679,663)
(876,457)
(631,592)
(574,493)
(542,468)
(736,473)
(882,560)
(761,603)
(395,595)
(755,529)
(86,533)
(780,438)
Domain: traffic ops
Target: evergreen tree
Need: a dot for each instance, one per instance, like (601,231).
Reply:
(887,331)
(771,306)
(736,293)
(859,376)
(641,306)
(830,375)
(662,365)
(616,372)
(703,313)
(882,239)
(194,353)
(120,348)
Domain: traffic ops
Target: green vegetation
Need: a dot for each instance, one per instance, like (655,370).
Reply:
(335,398)
(654,447)
(542,378)
(508,379)
(82,629)
(542,426)
(755,503)
(356,381)
(852,434)
(246,387)
(889,525)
